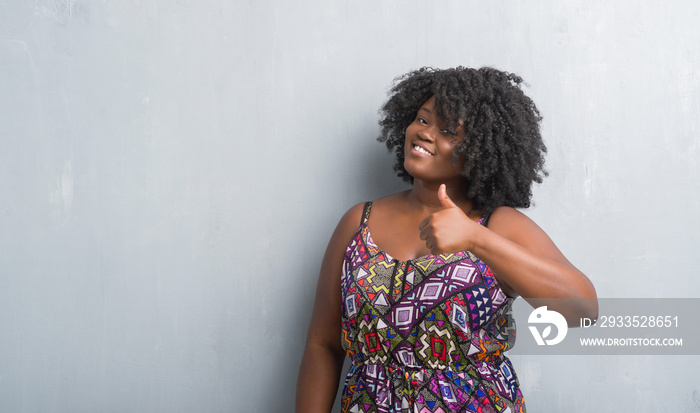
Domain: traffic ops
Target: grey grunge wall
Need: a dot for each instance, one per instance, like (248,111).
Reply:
(171,171)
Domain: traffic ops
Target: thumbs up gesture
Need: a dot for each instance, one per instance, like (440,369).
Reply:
(448,230)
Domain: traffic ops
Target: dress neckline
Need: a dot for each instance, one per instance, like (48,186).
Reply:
(365,223)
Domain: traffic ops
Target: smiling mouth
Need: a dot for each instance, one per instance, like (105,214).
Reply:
(421,150)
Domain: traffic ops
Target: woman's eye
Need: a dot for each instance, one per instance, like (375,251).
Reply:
(421,120)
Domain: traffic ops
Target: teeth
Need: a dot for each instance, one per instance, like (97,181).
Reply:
(421,150)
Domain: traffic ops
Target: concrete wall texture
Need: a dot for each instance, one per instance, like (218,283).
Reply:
(171,171)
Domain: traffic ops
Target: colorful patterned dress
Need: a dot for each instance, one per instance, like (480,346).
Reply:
(425,335)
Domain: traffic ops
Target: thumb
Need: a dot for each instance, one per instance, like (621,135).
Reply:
(444,199)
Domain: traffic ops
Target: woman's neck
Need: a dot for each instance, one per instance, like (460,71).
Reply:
(425,194)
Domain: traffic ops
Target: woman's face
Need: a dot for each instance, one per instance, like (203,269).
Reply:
(429,145)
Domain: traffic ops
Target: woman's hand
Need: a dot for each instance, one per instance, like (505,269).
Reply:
(448,230)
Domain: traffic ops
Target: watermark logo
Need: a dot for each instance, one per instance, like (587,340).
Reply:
(541,315)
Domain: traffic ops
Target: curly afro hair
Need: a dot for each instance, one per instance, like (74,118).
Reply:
(502,153)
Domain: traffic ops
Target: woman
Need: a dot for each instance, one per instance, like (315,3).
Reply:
(416,287)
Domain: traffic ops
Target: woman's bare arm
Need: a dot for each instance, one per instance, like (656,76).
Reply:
(524,258)
(322,362)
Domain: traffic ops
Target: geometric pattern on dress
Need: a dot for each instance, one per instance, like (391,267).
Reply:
(424,335)
(479,303)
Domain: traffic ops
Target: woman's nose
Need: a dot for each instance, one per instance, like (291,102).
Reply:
(427,134)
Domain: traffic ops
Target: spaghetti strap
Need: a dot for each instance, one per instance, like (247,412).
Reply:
(365,213)
(484,220)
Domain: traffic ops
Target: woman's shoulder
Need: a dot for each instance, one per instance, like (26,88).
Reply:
(507,213)
(352,219)
(353,216)
(390,202)
(505,217)
(514,225)
(346,229)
